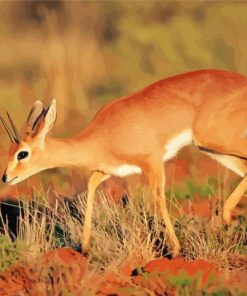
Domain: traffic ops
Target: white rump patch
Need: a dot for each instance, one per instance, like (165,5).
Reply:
(125,170)
(176,143)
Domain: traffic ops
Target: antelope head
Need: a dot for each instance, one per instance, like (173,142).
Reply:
(27,154)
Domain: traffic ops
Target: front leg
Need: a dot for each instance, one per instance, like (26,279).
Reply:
(94,181)
(233,199)
(156,178)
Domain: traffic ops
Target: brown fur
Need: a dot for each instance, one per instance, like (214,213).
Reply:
(134,130)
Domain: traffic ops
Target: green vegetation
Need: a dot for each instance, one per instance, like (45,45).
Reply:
(121,232)
(10,252)
(86,54)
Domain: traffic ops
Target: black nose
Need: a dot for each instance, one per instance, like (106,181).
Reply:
(4,178)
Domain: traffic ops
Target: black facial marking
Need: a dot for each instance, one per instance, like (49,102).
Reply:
(22,155)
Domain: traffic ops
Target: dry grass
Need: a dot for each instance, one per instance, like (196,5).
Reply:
(122,233)
(124,230)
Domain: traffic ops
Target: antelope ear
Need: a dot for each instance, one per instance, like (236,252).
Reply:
(48,121)
(34,117)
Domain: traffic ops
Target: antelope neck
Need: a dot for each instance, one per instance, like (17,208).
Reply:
(68,153)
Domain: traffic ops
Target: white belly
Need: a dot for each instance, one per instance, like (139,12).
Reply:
(176,143)
(171,148)
(125,170)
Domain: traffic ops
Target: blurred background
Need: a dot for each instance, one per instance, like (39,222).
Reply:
(86,54)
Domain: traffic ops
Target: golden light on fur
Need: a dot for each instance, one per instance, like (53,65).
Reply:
(138,133)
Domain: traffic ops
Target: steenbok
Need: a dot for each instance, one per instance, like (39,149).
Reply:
(139,132)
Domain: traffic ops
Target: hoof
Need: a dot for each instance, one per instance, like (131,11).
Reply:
(85,250)
(85,254)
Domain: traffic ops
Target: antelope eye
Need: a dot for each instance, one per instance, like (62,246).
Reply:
(22,154)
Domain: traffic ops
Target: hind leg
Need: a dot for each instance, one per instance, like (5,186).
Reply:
(239,166)
(234,199)
(221,125)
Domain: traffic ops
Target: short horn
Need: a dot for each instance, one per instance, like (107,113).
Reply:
(7,130)
(16,135)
